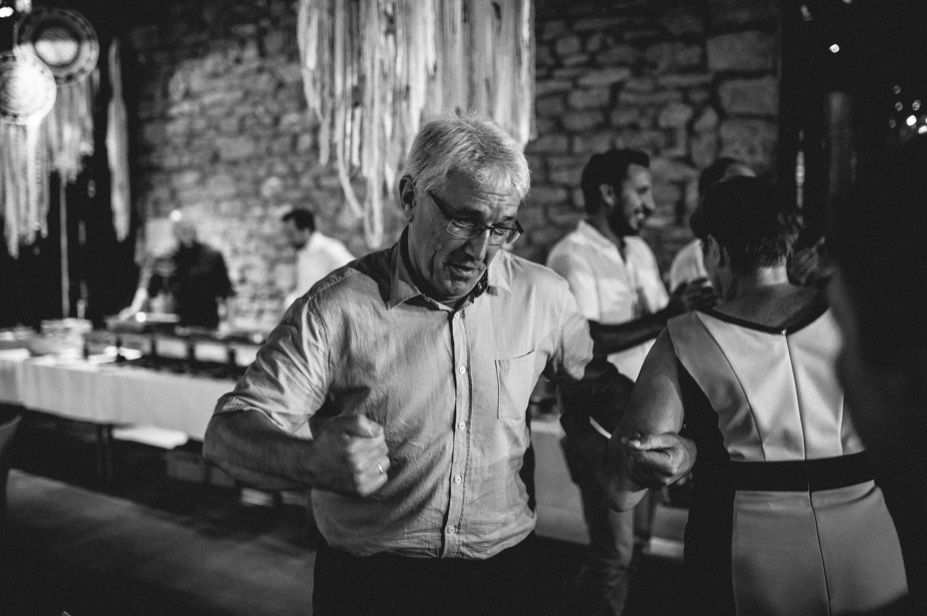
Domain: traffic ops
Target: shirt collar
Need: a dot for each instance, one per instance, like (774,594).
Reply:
(403,288)
(595,236)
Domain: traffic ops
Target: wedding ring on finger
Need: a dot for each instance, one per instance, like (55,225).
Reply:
(380,468)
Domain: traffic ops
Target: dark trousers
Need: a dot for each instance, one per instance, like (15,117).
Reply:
(387,584)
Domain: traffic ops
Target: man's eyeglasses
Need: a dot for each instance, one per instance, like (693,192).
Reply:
(469,229)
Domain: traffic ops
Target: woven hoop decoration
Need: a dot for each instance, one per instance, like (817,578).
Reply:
(27,88)
(64,40)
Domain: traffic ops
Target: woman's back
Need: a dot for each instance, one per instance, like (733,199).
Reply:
(797,484)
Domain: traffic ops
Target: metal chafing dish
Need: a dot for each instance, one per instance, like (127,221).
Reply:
(165,345)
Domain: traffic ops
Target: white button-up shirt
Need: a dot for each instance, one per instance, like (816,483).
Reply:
(608,288)
(450,389)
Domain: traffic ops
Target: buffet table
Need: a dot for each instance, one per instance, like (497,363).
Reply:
(100,391)
(106,393)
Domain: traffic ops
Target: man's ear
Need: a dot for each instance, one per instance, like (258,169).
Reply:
(607,194)
(715,252)
(407,197)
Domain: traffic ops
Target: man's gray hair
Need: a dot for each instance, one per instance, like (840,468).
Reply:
(472,146)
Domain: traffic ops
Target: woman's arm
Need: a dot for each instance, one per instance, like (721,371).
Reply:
(646,450)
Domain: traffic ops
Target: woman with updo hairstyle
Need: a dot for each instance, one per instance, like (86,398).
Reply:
(785,517)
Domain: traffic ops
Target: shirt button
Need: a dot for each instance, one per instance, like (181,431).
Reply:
(462,370)
(451,530)
(458,479)
(456,315)
(461,425)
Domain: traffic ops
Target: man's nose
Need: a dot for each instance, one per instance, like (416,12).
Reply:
(478,246)
(649,205)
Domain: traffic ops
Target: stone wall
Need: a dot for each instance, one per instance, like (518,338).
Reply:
(224,132)
(684,81)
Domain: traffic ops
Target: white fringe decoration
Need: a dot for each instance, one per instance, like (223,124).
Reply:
(374,69)
(117,148)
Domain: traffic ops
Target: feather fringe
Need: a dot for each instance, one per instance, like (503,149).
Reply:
(117,148)
(24,184)
(373,70)
(69,126)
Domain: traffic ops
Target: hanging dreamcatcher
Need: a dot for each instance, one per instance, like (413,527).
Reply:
(66,42)
(27,94)
(373,69)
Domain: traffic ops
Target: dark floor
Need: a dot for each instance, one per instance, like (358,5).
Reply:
(145,543)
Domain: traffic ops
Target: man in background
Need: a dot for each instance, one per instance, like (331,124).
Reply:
(192,279)
(316,254)
(614,277)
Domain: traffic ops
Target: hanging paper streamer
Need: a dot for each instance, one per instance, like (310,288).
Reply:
(117,147)
(27,94)
(68,45)
(374,69)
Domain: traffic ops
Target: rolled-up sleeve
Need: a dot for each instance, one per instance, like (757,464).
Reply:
(289,379)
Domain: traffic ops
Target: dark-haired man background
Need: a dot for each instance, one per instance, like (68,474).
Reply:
(316,254)
(616,281)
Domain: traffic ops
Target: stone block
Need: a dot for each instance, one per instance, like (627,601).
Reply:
(236,148)
(684,81)
(752,141)
(550,106)
(742,51)
(575,60)
(566,170)
(605,76)
(543,194)
(553,29)
(620,55)
(275,42)
(568,45)
(589,98)
(648,99)
(593,142)
(675,115)
(271,187)
(186,177)
(564,216)
(673,56)
(222,186)
(626,116)
(682,20)
(650,141)
(569,72)
(597,24)
(551,86)
(703,148)
(549,143)
(757,97)
(707,121)
(698,96)
(667,194)
(668,170)
(642,35)
(740,12)
(640,84)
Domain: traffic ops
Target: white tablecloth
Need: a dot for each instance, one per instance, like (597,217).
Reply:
(103,392)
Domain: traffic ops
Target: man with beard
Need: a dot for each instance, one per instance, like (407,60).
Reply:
(192,276)
(397,389)
(316,253)
(614,276)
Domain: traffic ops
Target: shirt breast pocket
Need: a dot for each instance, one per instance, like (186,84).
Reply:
(515,379)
